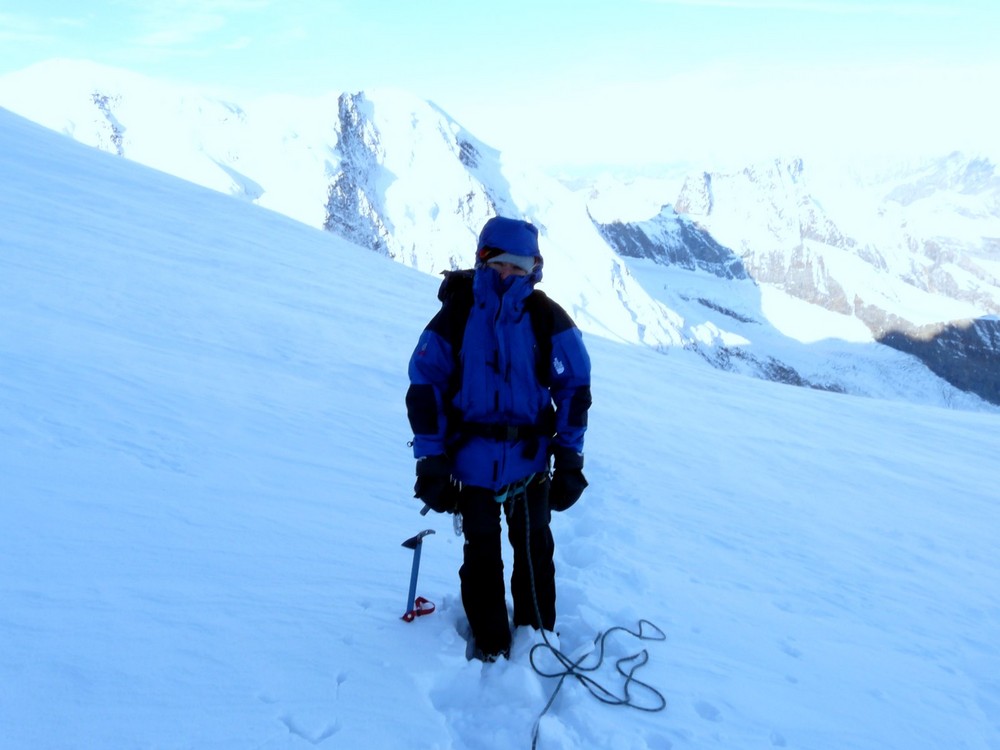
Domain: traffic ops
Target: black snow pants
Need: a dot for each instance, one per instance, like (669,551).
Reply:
(482,571)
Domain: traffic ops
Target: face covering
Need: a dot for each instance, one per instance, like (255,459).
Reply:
(501,284)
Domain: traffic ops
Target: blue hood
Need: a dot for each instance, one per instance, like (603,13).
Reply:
(510,236)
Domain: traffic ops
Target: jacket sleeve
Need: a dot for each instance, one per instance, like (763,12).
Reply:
(570,373)
(430,372)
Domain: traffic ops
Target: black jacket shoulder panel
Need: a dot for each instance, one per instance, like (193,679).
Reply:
(455,294)
(553,319)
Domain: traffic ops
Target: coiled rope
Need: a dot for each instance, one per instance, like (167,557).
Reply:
(579,671)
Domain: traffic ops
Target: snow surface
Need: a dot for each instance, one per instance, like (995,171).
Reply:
(206,484)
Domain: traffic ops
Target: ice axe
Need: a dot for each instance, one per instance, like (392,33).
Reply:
(416,606)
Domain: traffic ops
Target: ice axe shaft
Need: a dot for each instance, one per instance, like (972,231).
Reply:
(413,607)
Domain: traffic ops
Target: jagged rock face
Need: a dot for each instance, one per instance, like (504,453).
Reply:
(766,368)
(402,180)
(768,216)
(955,174)
(949,217)
(966,354)
(105,104)
(350,209)
(695,198)
(670,239)
(468,154)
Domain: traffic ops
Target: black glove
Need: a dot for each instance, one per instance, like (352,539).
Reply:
(434,485)
(568,482)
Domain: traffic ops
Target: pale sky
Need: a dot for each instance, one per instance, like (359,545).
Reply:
(578,82)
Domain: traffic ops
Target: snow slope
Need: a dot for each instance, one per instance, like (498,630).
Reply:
(206,484)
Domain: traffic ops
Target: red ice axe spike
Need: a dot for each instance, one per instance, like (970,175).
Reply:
(416,606)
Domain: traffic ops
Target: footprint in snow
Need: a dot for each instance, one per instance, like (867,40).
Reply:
(707,711)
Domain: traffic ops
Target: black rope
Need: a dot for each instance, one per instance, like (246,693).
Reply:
(578,671)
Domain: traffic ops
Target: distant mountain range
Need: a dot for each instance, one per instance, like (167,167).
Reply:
(884,285)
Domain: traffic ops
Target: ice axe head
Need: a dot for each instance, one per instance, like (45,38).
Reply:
(414,541)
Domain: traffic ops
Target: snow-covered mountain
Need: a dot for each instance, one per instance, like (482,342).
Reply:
(205,484)
(913,256)
(382,169)
(901,265)
(396,174)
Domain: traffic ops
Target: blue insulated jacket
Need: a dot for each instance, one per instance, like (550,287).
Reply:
(498,383)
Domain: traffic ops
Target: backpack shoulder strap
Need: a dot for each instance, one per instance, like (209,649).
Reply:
(455,294)
(456,284)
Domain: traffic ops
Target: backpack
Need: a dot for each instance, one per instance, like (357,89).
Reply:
(455,294)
